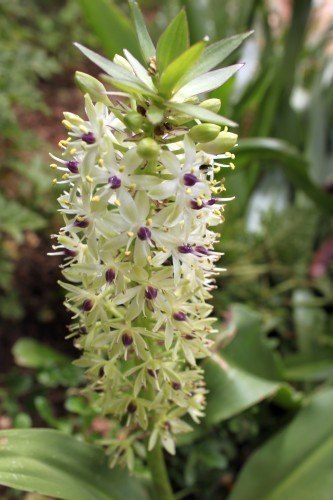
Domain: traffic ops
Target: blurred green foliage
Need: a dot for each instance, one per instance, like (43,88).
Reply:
(276,346)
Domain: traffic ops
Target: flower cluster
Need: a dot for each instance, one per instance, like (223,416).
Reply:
(140,194)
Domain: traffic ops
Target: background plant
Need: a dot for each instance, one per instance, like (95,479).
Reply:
(289,307)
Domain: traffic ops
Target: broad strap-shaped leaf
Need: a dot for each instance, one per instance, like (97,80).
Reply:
(201,113)
(178,68)
(52,463)
(105,18)
(173,42)
(207,82)
(297,462)
(145,42)
(232,390)
(215,53)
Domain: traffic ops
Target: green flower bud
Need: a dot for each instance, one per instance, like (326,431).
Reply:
(90,85)
(205,132)
(148,149)
(211,104)
(133,120)
(223,143)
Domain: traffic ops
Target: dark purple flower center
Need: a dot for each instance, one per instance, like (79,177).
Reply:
(87,305)
(131,408)
(185,249)
(89,138)
(179,316)
(195,205)
(126,339)
(190,179)
(69,253)
(150,293)
(73,166)
(144,233)
(83,223)
(110,275)
(114,182)
(176,386)
(202,250)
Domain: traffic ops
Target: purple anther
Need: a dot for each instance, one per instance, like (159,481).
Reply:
(73,166)
(179,316)
(176,386)
(188,336)
(185,249)
(87,305)
(151,372)
(127,339)
(150,293)
(114,182)
(144,233)
(195,205)
(89,138)
(190,179)
(202,250)
(212,201)
(110,275)
(82,330)
(131,408)
(83,223)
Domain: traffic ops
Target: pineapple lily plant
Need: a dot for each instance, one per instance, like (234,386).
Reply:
(141,196)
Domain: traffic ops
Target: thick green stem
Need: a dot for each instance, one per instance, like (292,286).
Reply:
(159,474)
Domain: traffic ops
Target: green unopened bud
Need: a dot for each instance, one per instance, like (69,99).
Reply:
(205,132)
(133,120)
(211,104)
(90,85)
(148,149)
(223,143)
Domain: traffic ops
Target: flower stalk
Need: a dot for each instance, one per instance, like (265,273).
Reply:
(142,190)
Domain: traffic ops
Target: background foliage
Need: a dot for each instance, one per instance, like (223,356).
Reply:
(270,376)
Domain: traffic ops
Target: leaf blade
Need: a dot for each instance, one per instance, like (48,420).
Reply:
(146,45)
(201,113)
(173,41)
(55,464)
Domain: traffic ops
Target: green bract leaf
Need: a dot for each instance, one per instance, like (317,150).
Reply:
(203,114)
(297,462)
(207,82)
(105,18)
(215,53)
(146,45)
(109,67)
(173,42)
(128,85)
(178,68)
(52,463)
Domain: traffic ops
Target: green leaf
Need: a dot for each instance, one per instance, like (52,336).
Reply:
(128,85)
(297,462)
(208,81)
(173,41)
(111,26)
(203,114)
(52,463)
(112,69)
(146,45)
(294,165)
(16,218)
(300,369)
(215,53)
(232,390)
(245,372)
(33,354)
(175,72)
